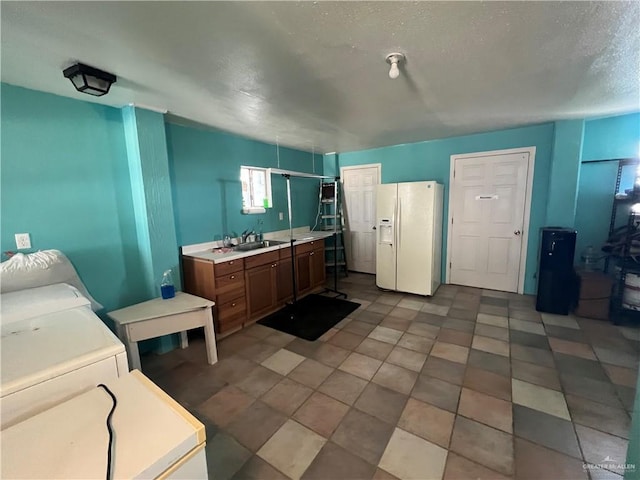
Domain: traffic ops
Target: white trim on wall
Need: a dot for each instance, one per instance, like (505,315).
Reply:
(531,151)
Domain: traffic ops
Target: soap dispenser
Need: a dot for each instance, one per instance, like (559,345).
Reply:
(167,289)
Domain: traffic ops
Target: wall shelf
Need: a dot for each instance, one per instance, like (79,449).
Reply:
(625,261)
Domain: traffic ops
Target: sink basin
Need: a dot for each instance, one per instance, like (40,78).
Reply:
(271,243)
(246,247)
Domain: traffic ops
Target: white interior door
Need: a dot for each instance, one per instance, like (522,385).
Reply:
(359,186)
(487,204)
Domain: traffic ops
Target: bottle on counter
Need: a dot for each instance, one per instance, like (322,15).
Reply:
(167,288)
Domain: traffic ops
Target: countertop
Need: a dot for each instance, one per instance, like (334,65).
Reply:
(300,238)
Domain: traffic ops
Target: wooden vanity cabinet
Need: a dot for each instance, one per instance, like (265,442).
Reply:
(250,288)
(224,284)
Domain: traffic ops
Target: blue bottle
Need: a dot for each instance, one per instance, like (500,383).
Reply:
(167,289)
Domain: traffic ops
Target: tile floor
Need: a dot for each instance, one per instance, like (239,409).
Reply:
(466,384)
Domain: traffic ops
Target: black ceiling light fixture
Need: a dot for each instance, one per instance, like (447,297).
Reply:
(89,80)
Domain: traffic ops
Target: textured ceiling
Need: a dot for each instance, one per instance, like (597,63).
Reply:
(313,75)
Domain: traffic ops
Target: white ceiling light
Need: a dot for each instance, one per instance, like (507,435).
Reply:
(394,59)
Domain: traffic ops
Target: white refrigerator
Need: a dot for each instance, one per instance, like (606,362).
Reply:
(409,246)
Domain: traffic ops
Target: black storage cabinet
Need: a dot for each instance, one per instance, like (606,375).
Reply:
(556,276)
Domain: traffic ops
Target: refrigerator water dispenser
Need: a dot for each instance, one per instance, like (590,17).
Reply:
(386,231)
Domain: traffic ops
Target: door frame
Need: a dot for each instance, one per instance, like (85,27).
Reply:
(378,167)
(531,151)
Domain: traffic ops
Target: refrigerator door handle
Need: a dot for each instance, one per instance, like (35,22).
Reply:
(399,224)
(395,224)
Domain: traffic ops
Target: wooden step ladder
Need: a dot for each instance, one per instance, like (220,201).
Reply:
(332,220)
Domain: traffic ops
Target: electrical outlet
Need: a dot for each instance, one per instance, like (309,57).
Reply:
(23,241)
(281,215)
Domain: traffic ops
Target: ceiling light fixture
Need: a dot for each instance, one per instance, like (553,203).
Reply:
(394,59)
(89,80)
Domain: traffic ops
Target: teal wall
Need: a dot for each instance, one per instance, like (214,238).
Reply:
(65,181)
(330,164)
(152,204)
(565,173)
(604,139)
(205,172)
(430,161)
(612,137)
(151,190)
(118,190)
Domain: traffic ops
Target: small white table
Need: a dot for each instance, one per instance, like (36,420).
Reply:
(159,317)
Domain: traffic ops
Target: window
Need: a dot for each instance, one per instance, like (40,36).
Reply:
(256,189)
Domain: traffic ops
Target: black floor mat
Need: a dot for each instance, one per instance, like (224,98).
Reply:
(310,317)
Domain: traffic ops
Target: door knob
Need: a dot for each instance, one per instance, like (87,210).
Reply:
(374,227)
(517,232)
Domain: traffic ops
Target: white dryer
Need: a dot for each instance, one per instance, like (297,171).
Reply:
(47,358)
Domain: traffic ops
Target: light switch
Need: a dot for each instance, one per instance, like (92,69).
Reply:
(281,216)
(23,241)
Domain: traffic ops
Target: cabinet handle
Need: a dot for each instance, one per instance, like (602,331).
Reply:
(233,304)
(311,253)
(311,243)
(232,277)
(274,265)
(231,262)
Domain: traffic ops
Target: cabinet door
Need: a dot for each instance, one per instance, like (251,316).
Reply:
(284,282)
(317,268)
(260,285)
(303,272)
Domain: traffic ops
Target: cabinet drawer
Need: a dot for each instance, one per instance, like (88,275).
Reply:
(231,295)
(304,248)
(318,245)
(225,268)
(261,259)
(233,309)
(230,325)
(309,246)
(229,282)
(285,252)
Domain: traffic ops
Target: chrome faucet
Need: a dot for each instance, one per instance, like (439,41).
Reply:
(245,234)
